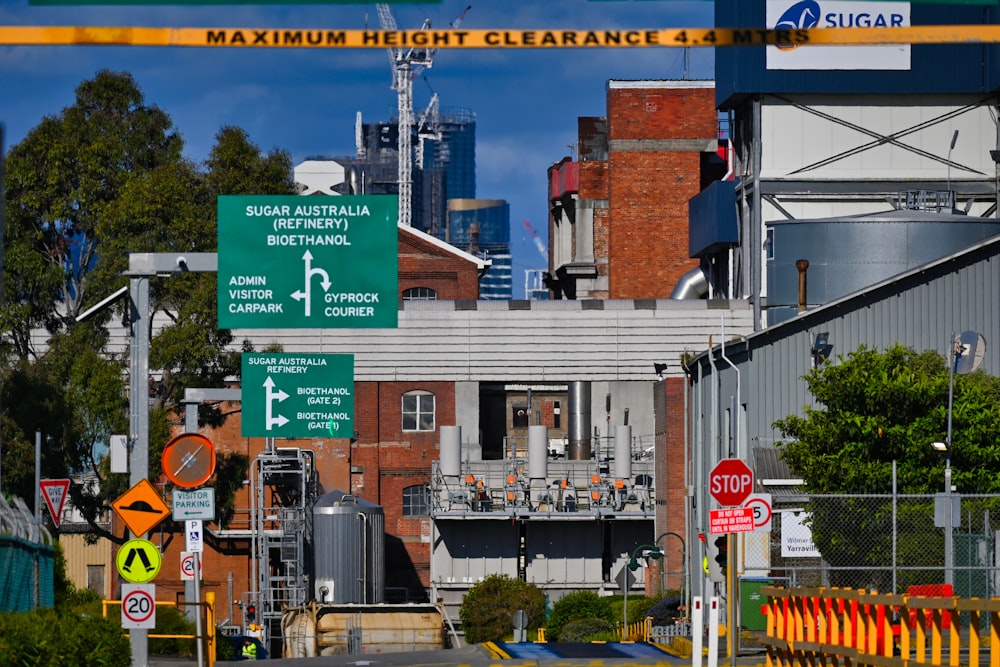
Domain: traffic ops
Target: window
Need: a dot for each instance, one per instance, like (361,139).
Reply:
(420,294)
(418,411)
(416,500)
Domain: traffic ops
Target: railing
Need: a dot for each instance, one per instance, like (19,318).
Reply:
(639,631)
(854,627)
(208,625)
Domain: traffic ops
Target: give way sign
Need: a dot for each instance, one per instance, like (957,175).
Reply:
(730,482)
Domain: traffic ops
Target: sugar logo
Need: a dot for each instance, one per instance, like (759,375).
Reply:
(804,14)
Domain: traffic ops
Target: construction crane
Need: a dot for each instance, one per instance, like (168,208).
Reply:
(539,243)
(428,125)
(406,65)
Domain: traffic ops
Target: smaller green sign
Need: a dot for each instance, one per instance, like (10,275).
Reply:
(298,395)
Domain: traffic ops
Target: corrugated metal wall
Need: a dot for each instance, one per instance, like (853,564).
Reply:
(921,309)
(515,341)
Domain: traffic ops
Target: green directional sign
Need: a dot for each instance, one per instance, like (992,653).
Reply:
(298,395)
(290,262)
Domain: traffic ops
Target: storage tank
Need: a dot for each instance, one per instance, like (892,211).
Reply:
(850,253)
(320,630)
(348,550)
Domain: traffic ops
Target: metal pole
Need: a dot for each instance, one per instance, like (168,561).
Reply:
(197,617)
(38,477)
(139,418)
(949,528)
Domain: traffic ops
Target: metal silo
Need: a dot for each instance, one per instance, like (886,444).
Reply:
(850,253)
(348,550)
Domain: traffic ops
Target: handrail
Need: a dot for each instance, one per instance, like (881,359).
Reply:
(210,620)
(856,627)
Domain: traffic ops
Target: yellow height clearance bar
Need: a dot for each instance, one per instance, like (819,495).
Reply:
(487,39)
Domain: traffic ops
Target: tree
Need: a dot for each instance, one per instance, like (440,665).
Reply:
(577,606)
(488,608)
(878,408)
(102,179)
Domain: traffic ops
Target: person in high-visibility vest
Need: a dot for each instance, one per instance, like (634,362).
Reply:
(249,650)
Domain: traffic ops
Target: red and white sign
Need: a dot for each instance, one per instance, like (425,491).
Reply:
(730,520)
(730,482)
(760,503)
(188,561)
(55,492)
(139,606)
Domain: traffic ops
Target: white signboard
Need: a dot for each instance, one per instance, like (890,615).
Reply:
(189,561)
(194,504)
(797,14)
(760,503)
(194,539)
(796,537)
(138,606)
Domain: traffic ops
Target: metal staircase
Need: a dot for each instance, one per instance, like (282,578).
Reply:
(283,492)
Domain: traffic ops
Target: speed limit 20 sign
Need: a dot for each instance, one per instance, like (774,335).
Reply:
(138,606)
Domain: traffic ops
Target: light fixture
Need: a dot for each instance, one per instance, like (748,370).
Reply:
(940,446)
(660,370)
(820,347)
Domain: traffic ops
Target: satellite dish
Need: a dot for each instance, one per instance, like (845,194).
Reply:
(970,349)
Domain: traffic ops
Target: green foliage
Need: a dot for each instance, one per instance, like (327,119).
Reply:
(104,178)
(880,407)
(224,649)
(172,621)
(877,408)
(50,638)
(585,630)
(488,608)
(638,606)
(576,606)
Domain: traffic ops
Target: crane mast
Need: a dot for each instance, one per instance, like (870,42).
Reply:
(406,64)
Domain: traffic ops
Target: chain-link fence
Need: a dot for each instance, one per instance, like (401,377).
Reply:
(884,543)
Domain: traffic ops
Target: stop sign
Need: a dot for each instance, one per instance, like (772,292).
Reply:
(730,482)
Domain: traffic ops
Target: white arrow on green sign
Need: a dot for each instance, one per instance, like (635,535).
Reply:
(298,395)
(289,262)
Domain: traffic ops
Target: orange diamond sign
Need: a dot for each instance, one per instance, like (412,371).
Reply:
(141,508)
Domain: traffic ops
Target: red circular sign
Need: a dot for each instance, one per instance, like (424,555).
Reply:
(189,460)
(730,482)
(138,606)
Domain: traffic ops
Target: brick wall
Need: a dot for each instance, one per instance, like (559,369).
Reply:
(651,178)
(422,264)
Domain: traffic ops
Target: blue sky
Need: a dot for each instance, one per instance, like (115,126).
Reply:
(305,101)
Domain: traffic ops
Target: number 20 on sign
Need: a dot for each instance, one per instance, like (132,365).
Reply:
(138,606)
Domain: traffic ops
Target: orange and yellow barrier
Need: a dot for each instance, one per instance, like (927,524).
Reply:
(807,626)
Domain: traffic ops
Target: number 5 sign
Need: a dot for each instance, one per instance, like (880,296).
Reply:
(139,606)
(760,503)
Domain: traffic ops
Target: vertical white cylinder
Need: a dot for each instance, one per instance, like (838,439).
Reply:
(538,451)
(623,451)
(451,451)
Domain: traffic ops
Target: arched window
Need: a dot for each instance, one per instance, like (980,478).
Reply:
(416,500)
(418,411)
(420,294)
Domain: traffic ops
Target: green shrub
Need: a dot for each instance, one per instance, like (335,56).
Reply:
(172,621)
(576,606)
(224,649)
(50,638)
(585,629)
(487,611)
(638,606)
